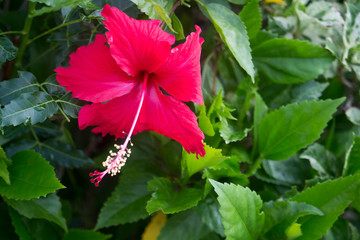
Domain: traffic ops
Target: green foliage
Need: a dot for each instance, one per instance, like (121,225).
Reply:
(240,211)
(166,199)
(4,173)
(290,61)
(30,176)
(74,234)
(305,122)
(251,16)
(7,50)
(352,163)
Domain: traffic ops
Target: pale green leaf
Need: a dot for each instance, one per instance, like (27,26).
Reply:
(204,122)
(352,158)
(31,176)
(251,16)
(353,114)
(48,208)
(240,211)
(7,50)
(287,130)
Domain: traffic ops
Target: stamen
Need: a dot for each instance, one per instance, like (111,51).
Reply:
(115,161)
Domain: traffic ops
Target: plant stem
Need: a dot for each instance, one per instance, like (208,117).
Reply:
(26,33)
(53,29)
(256,165)
(12,32)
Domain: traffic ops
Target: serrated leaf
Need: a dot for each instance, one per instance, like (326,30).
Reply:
(186,225)
(233,32)
(251,16)
(353,114)
(331,197)
(19,226)
(28,108)
(279,216)
(63,154)
(208,210)
(287,130)
(76,234)
(352,158)
(204,122)
(48,208)
(240,211)
(4,173)
(288,61)
(13,88)
(7,50)
(54,5)
(156,9)
(166,199)
(31,176)
(322,160)
(192,164)
(128,201)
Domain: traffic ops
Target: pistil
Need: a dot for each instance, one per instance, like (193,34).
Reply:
(115,161)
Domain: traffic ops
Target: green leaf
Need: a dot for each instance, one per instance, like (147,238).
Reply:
(233,32)
(54,5)
(322,160)
(186,225)
(157,9)
(352,158)
(48,208)
(279,216)
(342,230)
(76,234)
(192,164)
(128,201)
(69,105)
(63,154)
(288,61)
(331,197)
(19,226)
(208,210)
(204,122)
(7,50)
(240,211)
(31,176)
(177,27)
(4,173)
(28,108)
(238,1)
(166,199)
(310,90)
(260,111)
(353,114)
(287,130)
(13,88)
(251,16)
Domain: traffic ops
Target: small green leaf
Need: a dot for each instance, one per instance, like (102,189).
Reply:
(54,5)
(13,88)
(331,197)
(260,112)
(177,27)
(4,173)
(193,164)
(352,158)
(279,216)
(128,201)
(288,61)
(166,199)
(240,211)
(322,160)
(251,16)
(186,225)
(204,122)
(233,32)
(7,50)
(76,234)
(28,108)
(31,176)
(48,208)
(19,226)
(353,114)
(287,130)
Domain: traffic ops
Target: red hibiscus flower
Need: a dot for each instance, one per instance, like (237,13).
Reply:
(123,81)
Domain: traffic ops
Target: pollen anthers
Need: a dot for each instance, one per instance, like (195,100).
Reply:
(114,162)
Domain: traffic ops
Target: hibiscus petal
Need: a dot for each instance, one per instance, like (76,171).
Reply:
(93,74)
(160,113)
(180,75)
(136,45)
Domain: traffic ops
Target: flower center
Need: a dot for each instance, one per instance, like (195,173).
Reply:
(115,161)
